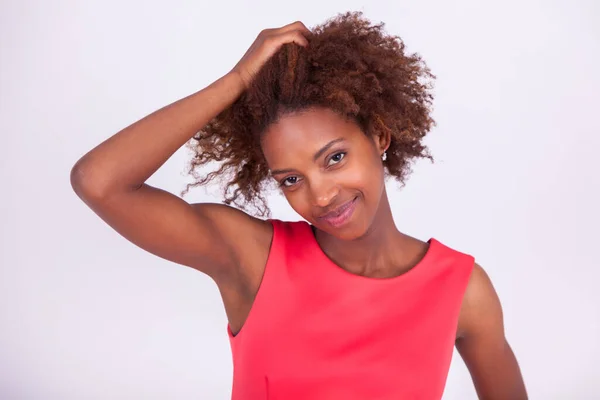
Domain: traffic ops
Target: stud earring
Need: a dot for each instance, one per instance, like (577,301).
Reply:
(384,156)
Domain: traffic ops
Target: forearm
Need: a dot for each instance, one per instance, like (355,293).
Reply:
(127,159)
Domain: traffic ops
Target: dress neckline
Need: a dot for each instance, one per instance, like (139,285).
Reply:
(335,268)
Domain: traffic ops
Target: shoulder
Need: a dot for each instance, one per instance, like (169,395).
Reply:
(481,311)
(248,237)
(482,343)
(232,221)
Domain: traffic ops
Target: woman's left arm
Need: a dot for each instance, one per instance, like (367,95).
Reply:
(482,344)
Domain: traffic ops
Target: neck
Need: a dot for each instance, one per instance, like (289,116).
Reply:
(375,253)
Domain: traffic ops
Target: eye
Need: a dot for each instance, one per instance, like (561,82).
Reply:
(336,158)
(289,181)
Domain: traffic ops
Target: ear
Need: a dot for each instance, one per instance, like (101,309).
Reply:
(382,137)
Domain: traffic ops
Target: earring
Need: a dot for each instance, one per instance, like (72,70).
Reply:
(384,156)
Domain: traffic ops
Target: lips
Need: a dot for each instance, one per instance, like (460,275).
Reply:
(340,215)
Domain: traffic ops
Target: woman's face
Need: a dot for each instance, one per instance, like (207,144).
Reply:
(330,172)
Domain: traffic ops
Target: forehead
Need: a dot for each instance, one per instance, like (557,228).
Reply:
(302,134)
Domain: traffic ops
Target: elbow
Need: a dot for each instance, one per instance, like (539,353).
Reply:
(85,184)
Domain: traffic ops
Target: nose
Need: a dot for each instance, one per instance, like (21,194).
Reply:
(323,192)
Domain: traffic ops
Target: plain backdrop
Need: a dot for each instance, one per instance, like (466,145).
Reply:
(85,314)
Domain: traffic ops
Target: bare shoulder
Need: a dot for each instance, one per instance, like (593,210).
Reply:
(480,285)
(481,309)
(482,343)
(235,223)
(248,237)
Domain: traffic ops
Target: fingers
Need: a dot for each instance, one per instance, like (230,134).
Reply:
(298,25)
(288,37)
(266,44)
(294,26)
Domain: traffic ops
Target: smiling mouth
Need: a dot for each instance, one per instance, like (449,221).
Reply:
(341,215)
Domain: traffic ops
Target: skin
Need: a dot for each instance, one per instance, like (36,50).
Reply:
(232,247)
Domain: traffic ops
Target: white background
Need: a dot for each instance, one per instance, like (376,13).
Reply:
(84,314)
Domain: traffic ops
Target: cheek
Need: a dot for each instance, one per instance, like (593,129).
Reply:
(297,200)
(364,174)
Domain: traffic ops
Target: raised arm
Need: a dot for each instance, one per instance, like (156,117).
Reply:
(110,178)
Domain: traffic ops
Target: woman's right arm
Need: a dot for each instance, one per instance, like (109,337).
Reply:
(110,180)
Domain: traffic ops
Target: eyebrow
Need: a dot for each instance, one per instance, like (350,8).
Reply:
(318,154)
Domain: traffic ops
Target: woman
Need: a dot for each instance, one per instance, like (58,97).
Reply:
(343,306)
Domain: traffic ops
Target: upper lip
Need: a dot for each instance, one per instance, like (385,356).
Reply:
(338,210)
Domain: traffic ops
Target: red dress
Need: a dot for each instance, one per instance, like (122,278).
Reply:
(316,331)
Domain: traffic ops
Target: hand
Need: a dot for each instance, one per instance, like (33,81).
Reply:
(265,45)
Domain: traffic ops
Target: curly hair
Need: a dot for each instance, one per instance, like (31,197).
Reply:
(351,67)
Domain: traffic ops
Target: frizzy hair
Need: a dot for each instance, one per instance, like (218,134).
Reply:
(351,67)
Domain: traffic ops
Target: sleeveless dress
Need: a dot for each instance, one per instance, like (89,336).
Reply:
(316,331)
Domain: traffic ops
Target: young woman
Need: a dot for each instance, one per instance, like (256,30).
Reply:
(344,305)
